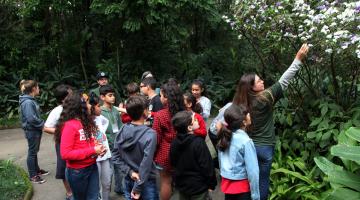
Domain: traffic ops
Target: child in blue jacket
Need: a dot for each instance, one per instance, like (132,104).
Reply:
(32,124)
(237,157)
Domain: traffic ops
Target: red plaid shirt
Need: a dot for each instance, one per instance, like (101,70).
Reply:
(165,135)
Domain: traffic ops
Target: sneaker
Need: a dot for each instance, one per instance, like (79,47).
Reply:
(37,179)
(43,172)
(71,197)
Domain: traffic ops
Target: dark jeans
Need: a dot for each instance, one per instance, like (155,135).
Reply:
(84,182)
(118,177)
(33,139)
(119,180)
(264,156)
(241,196)
(149,190)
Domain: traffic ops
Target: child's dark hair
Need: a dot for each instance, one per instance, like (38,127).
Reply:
(196,107)
(60,92)
(26,86)
(234,117)
(93,101)
(149,81)
(201,84)
(132,88)
(135,107)
(105,89)
(173,81)
(74,106)
(181,121)
(175,98)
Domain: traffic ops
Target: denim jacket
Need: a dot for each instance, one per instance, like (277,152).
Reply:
(240,162)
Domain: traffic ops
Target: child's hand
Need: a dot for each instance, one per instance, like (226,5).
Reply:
(121,105)
(218,126)
(99,149)
(135,176)
(103,152)
(301,54)
(135,195)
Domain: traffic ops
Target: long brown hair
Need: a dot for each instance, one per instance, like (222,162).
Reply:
(74,107)
(234,117)
(245,94)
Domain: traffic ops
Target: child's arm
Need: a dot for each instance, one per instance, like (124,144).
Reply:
(51,121)
(252,169)
(49,130)
(206,163)
(29,112)
(218,118)
(147,162)
(67,143)
(122,110)
(206,108)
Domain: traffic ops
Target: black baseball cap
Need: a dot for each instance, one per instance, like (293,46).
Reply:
(101,75)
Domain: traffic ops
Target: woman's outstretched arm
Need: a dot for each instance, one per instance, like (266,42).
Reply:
(289,74)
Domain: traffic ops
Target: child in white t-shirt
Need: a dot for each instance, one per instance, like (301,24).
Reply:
(103,163)
(60,93)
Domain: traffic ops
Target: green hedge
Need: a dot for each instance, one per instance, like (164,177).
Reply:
(6,123)
(14,184)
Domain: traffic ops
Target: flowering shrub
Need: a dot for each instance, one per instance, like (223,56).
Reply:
(325,93)
(329,26)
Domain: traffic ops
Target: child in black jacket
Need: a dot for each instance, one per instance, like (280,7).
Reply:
(194,172)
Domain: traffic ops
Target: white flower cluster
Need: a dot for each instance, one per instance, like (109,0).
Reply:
(329,25)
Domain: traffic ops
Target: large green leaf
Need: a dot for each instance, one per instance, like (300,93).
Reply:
(343,193)
(347,152)
(325,165)
(346,140)
(292,173)
(345,178)
(354,133)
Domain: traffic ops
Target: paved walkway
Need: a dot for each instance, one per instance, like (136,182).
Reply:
(13,145)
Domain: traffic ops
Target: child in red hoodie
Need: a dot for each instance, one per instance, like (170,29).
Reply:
(199,126)
(77,147)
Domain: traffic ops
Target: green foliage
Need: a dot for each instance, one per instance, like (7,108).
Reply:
(292,178)
(14,181)
(345,176)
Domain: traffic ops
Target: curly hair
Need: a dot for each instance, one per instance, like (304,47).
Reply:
(175,98)
(74,107)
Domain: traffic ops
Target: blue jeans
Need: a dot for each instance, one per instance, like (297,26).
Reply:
(33,139)
(84,182)
(119,179)
(264,156)
(149,190)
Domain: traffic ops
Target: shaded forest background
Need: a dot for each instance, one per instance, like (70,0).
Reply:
(61,41)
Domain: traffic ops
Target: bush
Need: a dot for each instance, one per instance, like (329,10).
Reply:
(6,123)
(14,184)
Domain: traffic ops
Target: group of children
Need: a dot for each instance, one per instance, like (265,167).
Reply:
(154,135)
(92,143)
